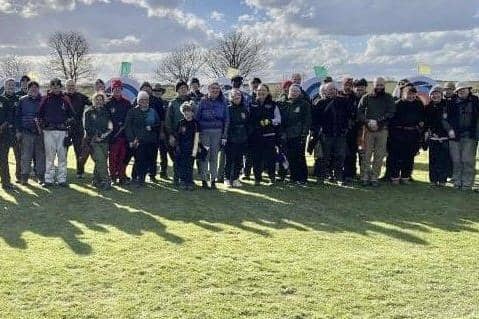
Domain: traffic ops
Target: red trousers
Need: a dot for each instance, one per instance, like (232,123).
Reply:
(116,158)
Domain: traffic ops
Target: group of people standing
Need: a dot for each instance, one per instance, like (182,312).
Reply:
(229,132)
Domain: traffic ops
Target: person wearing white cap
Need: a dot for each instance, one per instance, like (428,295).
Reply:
(462,119)
(436,137)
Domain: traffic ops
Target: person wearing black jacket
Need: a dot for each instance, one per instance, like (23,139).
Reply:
(462,119)
(141,128)
(353,97)
(332,116)
(195,94)
(158,92)
(78,101)
(24,80)
(157,105)
(436,137)
(405,131)
(265,119)
(10,101)
(55,115)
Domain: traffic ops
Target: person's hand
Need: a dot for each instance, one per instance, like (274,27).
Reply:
(373,125)
(452,134)
(193,153)
(172,140)
(223,141)
(18,136)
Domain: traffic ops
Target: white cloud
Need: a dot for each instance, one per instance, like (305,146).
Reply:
(246,18)
(127,40)
(168,9)
(31,8)
(357,17)
(217,16)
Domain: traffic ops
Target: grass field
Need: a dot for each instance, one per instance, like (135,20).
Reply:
(256,252)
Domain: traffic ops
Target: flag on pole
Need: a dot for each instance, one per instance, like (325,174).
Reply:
(34,76)
(320,71)
(125,69)
(232,72)
(423,69)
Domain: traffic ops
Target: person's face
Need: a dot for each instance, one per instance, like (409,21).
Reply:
(294,92)
(214,91)
(10,87)
(183,90)
(99,101)
(144,102)
(463,93)
(262,92)
(116,92)
(410,96)
(296,79)
(436,96)
(330,92)
(70,87)
(99,87)
(360,90)
(347,87)
(254,86)
(188,115)
(33,91)
(195,86)
(236,97)
(379,85)
(147,89)
(448,92)
(55,88)
(23,85)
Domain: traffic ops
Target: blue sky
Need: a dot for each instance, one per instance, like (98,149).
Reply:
(355,37)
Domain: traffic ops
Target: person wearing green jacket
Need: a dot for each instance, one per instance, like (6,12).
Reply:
(98,126)
(142,126)
(173,118)
(374,112)
(296,125)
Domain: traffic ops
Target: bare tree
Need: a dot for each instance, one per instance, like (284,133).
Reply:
(236,50)
(69,56)
(182,63)
(13,66)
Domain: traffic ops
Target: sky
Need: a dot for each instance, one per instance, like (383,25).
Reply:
(359,38)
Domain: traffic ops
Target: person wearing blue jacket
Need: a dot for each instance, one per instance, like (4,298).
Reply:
(213,117)
(29,134)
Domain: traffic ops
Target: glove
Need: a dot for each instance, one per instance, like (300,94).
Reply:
(67,141)
(172,140)
(373,125)
(451,134)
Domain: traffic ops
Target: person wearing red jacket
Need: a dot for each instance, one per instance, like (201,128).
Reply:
(118,107)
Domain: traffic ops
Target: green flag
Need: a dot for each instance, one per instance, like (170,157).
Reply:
(125,69)
(320,71)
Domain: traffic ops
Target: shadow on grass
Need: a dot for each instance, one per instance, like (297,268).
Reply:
(402,213)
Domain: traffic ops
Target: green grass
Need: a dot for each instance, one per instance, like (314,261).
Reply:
(285,252)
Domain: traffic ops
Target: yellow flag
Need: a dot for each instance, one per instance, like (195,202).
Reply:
(33,76)
(232,72)
(423,69)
